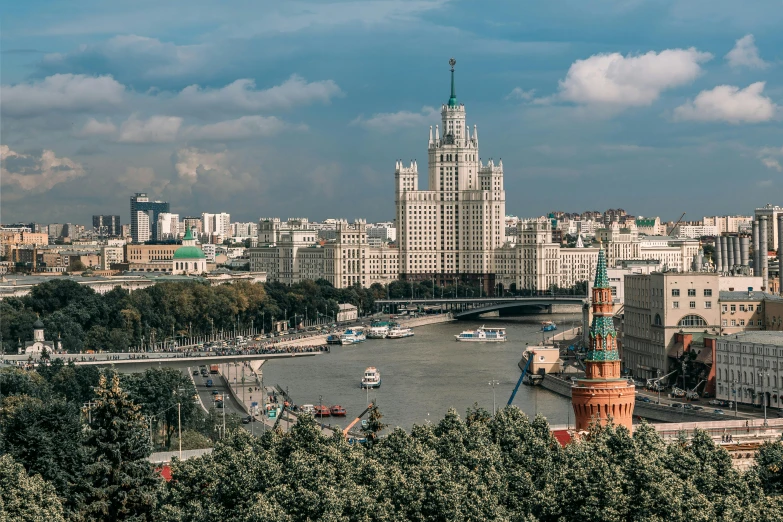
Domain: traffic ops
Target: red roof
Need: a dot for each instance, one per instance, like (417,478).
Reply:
(165,472)
(562,436)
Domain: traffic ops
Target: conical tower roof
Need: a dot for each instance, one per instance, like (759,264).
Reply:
(601,277)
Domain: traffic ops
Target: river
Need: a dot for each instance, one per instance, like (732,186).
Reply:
(425,375)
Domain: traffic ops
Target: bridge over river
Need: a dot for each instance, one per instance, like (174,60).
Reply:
(471,307)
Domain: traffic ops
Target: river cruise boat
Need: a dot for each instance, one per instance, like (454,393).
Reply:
(378,330)
(398,332)
(333,339)
(353,336)
(337,411)
(548,326)
(483,335)
(322,411)
(372,378)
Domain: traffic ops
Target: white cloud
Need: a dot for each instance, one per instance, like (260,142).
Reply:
(772,163)
(94,127)
(156,129)
(518,93)
(629,81)
(764,183)
(745,54)
(238,129)
(241,95)
(190,162)
(36,173)
(389,121)
(729,103)
(61,92)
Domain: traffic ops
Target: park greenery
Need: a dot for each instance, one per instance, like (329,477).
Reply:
(74,445)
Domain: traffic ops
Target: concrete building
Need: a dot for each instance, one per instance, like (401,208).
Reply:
(150,258)
(107,226)
(650,226)
(771,213)
(192,223)
(347,312)
(453,229)
(167,228)
(742,311)
(219,224)
(386,232)
(729,224)
(749,368)
(140,204)
(660,305)
(111,255)
(695,231)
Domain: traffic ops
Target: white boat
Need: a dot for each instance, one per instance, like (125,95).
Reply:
(372,378)
(353,336)
(483,334)
(379,331)
(398,332)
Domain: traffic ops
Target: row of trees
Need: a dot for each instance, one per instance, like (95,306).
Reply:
(117,320)
(59,463)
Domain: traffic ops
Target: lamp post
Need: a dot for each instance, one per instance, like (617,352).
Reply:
(658,385)
(763,396)
(493,383)
(734,390)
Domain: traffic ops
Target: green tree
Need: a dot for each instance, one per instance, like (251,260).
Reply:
(25,498)
(769,467)
(123,484)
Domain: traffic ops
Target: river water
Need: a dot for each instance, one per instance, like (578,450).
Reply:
(425,375)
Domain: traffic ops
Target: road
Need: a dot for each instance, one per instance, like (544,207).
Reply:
(207,397)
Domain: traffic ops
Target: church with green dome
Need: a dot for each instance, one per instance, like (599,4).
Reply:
(189,258)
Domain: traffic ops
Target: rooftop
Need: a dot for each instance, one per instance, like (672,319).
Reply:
(748,296)
(774,338)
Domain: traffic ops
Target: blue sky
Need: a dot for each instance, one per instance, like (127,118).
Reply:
(302,108)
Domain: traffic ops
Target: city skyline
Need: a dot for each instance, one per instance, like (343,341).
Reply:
(257,119)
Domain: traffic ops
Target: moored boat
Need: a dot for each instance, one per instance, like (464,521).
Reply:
(483,334)
(372,378)
(322,411)
(353,336)
(548,326)
(378,330)
(333,339)
(398,332)
(337,411)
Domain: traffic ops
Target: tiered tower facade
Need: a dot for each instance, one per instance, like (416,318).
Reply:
(603,394)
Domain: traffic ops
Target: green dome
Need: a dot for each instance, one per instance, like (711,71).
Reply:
(189,252)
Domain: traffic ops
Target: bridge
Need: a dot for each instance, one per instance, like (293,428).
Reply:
(471,307)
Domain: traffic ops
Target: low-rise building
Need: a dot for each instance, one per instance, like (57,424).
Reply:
(749,368)
(347,312)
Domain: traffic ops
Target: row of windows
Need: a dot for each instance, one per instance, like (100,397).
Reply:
(691,292)
(692,304)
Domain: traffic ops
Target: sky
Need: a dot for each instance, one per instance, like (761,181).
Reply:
(301,109)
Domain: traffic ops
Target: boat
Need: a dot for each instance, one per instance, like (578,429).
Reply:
(378,330)
(398,332)
(337,411)
(353,336)
(372,378)
(333,339)
(322,411)
(483,334)
(548,326)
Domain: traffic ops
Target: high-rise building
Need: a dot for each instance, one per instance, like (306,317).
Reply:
(216,224)
(142,227)
(168,226)
(141,203)
(107,226)
(194,224)
(451,230)
(603,395)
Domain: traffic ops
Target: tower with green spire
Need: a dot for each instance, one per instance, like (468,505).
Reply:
(453,98)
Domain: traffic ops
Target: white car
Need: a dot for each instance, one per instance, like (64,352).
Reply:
(307,408)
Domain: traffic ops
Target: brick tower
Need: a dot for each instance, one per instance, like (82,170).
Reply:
(603,393)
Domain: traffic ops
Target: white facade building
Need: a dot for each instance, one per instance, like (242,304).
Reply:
(111,254)
(772,223)
(729,224)
(219,224)
(168,226)
(453,229)
(142,227)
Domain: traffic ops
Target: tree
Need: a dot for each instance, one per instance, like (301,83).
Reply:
(26,498)
(374,424)
(769,467)
(123,484)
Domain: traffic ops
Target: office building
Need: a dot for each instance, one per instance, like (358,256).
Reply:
(107,226)
(145,230)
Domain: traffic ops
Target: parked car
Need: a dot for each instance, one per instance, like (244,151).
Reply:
(676,405)
(646,399)
(719,412)
(195,372)
(697,408)
(248,419)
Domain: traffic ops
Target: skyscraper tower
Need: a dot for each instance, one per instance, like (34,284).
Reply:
(603,394)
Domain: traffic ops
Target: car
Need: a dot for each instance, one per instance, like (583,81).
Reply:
(718,412)
(715,402)
(687,406)
(218,404)
(209,383)
(646,399)
(215,392)
(676,405)
(248,419)
(195,372)
(698,408)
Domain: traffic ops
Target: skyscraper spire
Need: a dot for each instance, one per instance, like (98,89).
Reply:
(453,98)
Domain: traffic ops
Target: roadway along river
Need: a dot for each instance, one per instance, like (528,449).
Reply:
(423,376)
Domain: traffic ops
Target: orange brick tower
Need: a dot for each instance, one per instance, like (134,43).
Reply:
(603,394)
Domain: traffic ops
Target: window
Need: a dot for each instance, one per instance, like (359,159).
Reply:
(724,308)
(733,322)
(692,304)
(692,320)
(691,292)
(733,308)
(675,292)
(724,323)
(742,322)
(708,304)
(675,304)
(657,321)
(742,308)
(708,292)
(750,308)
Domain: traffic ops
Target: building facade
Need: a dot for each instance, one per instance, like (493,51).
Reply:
(140,205)
(452,230)
(107,226)
(749,368)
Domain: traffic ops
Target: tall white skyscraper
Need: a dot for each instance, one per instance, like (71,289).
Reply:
(141,227)
(217,223)
(451,230)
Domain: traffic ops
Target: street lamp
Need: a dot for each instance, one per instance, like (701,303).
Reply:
(493,383)
(734,391)
(763,396)
(658,385)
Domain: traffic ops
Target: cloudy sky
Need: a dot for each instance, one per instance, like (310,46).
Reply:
(302,108)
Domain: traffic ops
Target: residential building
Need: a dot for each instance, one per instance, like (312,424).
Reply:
(695,231)
(650,226)
(216,224)
(771,213)
(451,230)
(742,311)
(386,232)
(111,255)
(194,224)
(167,228)
(729,224)
(143,230)
(749,368)
(150,258)
(107,226)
